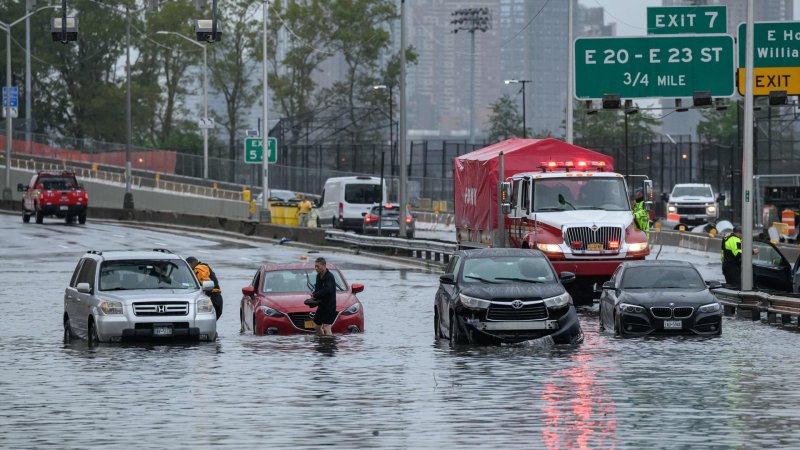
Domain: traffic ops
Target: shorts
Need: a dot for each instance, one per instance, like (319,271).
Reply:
(324,316)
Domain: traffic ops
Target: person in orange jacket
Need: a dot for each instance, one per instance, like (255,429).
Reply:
(203,272)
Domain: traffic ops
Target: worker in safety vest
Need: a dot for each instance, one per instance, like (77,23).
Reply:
(204,273)
(732,257)
(640,215)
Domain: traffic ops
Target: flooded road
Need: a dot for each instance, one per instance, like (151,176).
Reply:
(390,387)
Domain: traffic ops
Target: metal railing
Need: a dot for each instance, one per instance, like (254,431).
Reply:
(432,250)
(760,302)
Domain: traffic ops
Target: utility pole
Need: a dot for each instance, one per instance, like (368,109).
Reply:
(265,213)
(29,6)
(127,201)
(402,138)
(570,80)
(524,121)
(747,166)
(471,20)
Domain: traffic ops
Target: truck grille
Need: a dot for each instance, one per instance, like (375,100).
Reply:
(698,210)
(532,311)
(161,309)
(586,236)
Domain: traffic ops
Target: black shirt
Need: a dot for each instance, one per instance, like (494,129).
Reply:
(325,291)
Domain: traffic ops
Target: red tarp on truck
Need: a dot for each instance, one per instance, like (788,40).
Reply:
(475,174)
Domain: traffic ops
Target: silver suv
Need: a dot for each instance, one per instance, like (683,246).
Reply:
(137,294)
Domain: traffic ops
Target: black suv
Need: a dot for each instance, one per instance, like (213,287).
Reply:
(504,295)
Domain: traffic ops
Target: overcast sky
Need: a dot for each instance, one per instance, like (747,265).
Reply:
(631,15)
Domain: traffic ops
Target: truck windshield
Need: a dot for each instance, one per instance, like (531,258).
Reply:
(692,191)
(607,194)
(135,274)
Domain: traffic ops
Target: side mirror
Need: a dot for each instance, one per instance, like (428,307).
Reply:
(356,288)
(609,285)
(713,284)
(596,288)
(84,288)
(247,291)
(39,186)
(447,278)
(664,197)
(363,214)
(720,198)
(648,206)
(647,189)
(566,277)
(21,187)
(208,285)
(506,208)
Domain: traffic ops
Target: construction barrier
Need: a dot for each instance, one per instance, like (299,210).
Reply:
(787,217)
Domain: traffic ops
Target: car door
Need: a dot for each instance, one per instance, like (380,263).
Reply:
(771,270)
(796,276)
(85,301)
(71,294)
(608,301)
(250,303)
(27,196)
(447,294)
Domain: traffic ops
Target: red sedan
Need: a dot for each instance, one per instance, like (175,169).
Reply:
(273,303)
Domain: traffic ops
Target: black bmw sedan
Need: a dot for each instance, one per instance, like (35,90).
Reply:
(501,295)
(664,297)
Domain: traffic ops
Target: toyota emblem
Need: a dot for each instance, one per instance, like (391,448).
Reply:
(517,304)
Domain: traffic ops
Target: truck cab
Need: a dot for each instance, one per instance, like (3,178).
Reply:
(692,204)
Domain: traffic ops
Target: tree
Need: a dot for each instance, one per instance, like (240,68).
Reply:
(233,71)
(607,127)
(504,120)
(721,127)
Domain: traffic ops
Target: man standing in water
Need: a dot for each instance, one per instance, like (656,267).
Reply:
(325,294)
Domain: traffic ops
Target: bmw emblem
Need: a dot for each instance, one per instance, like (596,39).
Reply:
(517,304)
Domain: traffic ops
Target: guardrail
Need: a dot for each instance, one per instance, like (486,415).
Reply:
(436,251)
(752,304)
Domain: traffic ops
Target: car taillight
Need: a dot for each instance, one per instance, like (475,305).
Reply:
(341,210)
(369,218)
(408,219)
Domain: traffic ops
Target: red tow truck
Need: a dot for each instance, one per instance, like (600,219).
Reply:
(559,198)
(54,194)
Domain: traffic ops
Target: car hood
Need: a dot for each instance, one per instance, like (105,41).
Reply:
(151,295)
(512,291)
(663,297)
(691,199)
(293,302)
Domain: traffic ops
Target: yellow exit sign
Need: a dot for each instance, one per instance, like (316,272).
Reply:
(767,79)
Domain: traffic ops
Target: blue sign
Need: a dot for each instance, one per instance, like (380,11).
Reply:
(14,97)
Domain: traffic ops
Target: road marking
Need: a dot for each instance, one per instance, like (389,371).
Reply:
(63,246)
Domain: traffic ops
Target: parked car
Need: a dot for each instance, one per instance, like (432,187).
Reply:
(504,295)
(345,199)
(384,220)
(659,296)
(273,302)
(54,194)
(693,203)
(137,294)
(772,270)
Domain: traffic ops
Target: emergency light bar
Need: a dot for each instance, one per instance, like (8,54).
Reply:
(583,165)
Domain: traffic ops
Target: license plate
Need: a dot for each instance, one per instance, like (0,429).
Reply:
(308,324)
(691,217)
(388,223)
(162,331)
(594,247)
(63,208)
(673,324)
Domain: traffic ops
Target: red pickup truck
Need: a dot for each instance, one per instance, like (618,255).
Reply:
(54,194)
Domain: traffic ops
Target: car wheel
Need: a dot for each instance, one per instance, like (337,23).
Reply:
(94,339)
(457,336)
(255,326)
(69,219)
(600,315)
(67,329)
(82,218)
(39,217)
(617,327)
(437,325)
(410,235)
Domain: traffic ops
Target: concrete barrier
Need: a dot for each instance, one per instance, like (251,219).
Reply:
(707,244)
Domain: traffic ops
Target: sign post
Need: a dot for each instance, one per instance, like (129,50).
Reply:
(654,66)
(254,150)
(776,57)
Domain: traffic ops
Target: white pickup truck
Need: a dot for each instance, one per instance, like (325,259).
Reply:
(695,203)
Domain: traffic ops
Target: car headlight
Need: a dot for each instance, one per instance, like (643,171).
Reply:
(110,308)
(637,246)
(474,303)
(352,309)
(549,248)
(628,308)
(558,301)
(270,311)
(711,307)
(204,305)
(672,208)
(711,209)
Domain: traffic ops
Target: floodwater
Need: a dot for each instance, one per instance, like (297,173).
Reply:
(390,387)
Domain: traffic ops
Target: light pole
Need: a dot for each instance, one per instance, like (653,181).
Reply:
(7,104)
(471,20)
(265,213)
(205,95)
(403,197)
(524,122)
(383,153)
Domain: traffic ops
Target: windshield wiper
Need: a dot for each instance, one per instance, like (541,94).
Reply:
(115,289)
(480,279)
(524,280)
(591,207)
(549,209)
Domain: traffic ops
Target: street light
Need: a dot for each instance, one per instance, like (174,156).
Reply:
(204,123)
(7,103)
(524,122)
(391,147)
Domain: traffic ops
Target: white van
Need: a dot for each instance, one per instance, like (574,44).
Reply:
(344,201)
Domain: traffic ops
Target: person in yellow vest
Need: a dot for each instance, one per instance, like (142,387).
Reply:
(203,272)
(640,215)
(732,257)
(304,211)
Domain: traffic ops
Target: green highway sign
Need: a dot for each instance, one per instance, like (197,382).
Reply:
(654,66)
(687,20)
(253,150)
(776,44)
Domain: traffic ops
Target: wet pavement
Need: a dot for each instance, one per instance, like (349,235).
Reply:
(390,387)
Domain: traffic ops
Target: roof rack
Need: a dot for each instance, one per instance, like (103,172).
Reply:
(94,252)
(162,250)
